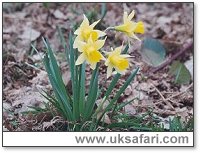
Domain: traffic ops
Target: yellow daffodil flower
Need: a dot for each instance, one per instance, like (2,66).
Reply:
(129,27)
(85,31)
(117,61)
(90,52)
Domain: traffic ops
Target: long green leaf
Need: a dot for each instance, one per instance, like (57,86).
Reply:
(56,79)
(92,94)
(82,89)
(125,103)
(121,90)
(55,70)
(103,10)
(62,104)
(93,97)
(126,49)
(112,85)
(74,78)
(63,43)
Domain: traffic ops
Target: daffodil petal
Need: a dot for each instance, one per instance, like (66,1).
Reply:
(121,28)
(76,42)
(77,32)
(85,22)
(90,40)
(125,56)
(131,15)
(80,59)
(134,36)
(109,71)
(93,65)
(118,50)
(125,17)
(99,44)
(107,62)
(80,45)
(105,52)
(94,24)
(120,71)
(102,57)
(75,45)
(100,33)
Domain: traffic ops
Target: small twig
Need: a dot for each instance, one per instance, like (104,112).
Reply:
(32,66)
(170,41)
(175,56)
(161,111)
(109,28)
(163,98)
(180,93)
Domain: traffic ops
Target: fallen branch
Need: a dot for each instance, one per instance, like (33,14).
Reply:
(170,60)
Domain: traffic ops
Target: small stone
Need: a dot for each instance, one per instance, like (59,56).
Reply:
(129,109)
(30,34)
(59,15)
(128,91)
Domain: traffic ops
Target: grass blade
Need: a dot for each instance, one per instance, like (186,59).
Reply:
(63,42)
(112,85)
(125,49)
(125,103)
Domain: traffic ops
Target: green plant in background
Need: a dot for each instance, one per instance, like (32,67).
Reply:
(153,53)
(175,125)
(181,73)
